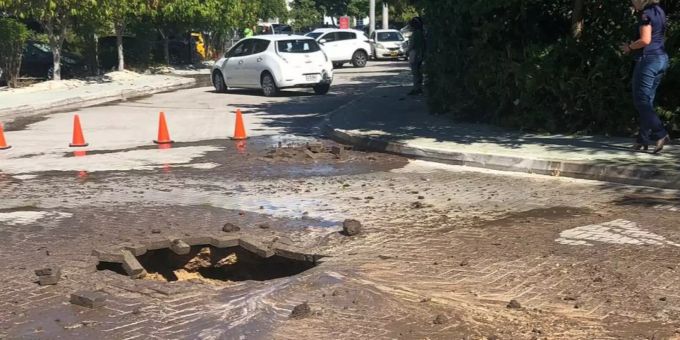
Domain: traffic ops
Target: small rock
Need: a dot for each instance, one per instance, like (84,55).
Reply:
(440,319)
(155,231)
(514,304)
(537,331)
(301,311)
(421,197)
(597,279)
(417,205)
(464,263)
(384,257)
(48,270)
(49,275)
(351,227)
(427,299)
(662,299)
(88,299)
(264,226)
(578,305)
(230,228)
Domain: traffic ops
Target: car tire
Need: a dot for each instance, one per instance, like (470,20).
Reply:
(321,89)
(218,82)
(359,59)
(337,65)
(269,87)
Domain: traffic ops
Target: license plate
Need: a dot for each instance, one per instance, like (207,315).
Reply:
(395,53)
(311,77)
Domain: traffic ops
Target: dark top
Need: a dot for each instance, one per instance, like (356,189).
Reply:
(655,16)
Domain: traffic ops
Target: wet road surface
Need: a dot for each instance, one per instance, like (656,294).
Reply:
(442,252)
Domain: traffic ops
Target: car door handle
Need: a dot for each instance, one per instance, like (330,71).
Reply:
(240,62)
(259,60)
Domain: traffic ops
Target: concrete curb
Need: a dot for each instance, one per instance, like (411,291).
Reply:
(74,103)
(631,175)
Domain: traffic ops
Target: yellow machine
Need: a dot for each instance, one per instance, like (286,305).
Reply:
(200,44)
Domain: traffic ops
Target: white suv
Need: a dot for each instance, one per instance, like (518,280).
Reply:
(273,62)
(343,45)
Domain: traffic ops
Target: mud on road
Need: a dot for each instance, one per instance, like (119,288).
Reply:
(441,254)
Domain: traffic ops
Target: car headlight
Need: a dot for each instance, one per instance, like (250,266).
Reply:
(380,46)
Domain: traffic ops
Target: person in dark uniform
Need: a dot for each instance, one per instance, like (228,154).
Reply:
(651,62)
(416,54)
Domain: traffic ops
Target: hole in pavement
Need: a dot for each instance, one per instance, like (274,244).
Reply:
(208,264)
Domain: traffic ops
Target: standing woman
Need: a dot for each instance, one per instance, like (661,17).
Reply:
(651,62)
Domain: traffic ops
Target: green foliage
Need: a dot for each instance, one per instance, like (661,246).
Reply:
(305,13)
(12,44)
(514,63)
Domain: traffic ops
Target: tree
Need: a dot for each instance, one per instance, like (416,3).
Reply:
(119,11)
(12,45)
(305,13)
(54,16)
(270,9)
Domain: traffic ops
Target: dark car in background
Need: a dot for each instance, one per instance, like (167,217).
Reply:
(37,62)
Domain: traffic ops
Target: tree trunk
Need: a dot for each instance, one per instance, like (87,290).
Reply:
(385,16)
(56,40)
(120,29)
(166,47)
(577,19)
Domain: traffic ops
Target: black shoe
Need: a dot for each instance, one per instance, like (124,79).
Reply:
(638,147)
(660,144)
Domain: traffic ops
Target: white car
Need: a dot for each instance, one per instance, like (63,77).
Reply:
(343,45)
(388,44)
(274,62)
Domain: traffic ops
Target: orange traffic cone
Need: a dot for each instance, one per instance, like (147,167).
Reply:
(240,130)
(163,134)
(3,143)
(78,139)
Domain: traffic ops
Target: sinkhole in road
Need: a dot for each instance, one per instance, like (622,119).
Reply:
(212,265)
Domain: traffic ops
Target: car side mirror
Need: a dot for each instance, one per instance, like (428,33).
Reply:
(371,40)
(322,41)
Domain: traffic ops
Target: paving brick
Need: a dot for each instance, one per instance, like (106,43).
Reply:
(132,266)
(89,299)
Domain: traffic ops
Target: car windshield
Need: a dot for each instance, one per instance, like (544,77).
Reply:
(314,35)
(297,46)
(42,47)
(390,36)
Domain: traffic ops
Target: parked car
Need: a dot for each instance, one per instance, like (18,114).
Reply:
(343,45)
(37,62)
(274,62)
(273,29)
(388,44)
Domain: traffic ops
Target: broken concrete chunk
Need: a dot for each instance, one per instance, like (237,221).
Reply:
(230,228)
(131,266)
(47,280)
(256,247)
(88,299)
(197,240)
(48,270)
(514,304)
(315,147)
(301,311)
(136,249)
(224,241)
(351,227)
(157,244)
(338,151)
(180,247)
(309,154)
(108,255)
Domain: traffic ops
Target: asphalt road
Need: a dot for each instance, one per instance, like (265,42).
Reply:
(442,252)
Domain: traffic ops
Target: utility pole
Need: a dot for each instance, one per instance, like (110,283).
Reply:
(371,14)
(386,15)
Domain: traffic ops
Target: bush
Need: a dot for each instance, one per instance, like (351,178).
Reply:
(515,63)
(14,35)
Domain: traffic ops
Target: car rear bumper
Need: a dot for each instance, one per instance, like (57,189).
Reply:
(307,79)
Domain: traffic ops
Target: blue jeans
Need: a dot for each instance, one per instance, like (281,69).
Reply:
(647,76)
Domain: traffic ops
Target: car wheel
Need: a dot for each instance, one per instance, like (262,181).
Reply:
(218,82)
(321,89)
(269,87)
(359,59)
(337,65)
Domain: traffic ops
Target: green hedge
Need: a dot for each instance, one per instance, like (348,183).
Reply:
(514,63)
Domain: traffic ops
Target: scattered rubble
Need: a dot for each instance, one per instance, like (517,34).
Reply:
(301,311)
(230,228)
(88,299)
(351,227)
(49,275)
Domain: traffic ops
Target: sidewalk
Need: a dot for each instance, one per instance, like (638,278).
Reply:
(53,96)
(385,119)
